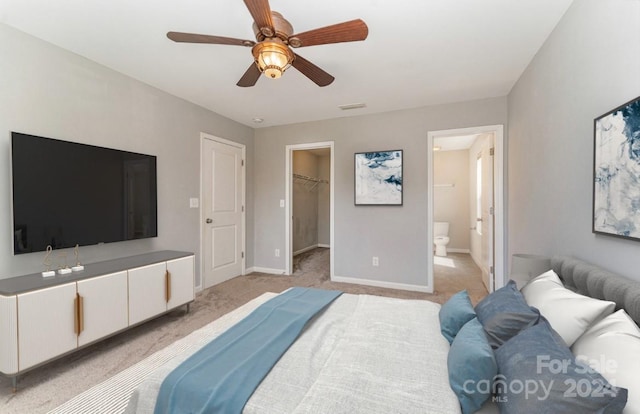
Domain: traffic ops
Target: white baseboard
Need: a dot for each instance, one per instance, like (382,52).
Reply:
(264,270)
(326,246)
(306,249)
(476,261)
(454,250)
(383,284)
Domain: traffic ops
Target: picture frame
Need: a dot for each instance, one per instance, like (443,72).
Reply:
(378,178)
(616,172)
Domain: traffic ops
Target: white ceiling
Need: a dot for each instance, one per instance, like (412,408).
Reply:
(455,143)
(419,52)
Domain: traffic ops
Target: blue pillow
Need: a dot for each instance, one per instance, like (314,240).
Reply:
(472,367)
(504,313)
(539,374)
(457,311)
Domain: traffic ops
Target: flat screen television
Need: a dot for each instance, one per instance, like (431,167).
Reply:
(66,193)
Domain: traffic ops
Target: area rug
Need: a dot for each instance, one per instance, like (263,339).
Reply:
(112,395)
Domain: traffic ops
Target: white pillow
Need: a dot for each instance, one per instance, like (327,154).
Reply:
(612,347)
(569,313)
(548,276)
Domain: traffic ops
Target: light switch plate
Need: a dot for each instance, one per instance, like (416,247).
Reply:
(194,202)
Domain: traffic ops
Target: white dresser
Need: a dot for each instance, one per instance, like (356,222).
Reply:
(44,318)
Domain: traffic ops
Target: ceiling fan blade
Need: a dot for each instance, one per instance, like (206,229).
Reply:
(250,77)
(351,31)
(200,38)
(261,13)
(311,71)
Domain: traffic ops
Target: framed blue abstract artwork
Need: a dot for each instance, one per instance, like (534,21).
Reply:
(616,172)
(378,178)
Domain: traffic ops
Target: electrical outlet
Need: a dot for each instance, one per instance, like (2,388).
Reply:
(375,260)
(277,252)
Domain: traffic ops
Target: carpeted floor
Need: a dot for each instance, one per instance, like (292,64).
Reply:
(47,387)
(455,272)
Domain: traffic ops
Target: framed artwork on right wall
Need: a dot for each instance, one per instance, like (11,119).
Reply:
(616,172)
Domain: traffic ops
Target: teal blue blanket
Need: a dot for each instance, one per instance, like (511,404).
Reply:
(220,377)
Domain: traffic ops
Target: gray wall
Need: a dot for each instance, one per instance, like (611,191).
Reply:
(588,66)
(397,235)
(451,204)
(50,92)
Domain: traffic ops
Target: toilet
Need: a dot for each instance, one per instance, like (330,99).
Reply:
(441,237)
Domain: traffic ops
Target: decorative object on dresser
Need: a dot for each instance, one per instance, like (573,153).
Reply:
(78,267)
(64,268)
(616,168)
(67,312)
(47,263)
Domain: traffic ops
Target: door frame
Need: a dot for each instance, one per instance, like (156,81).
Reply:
(499,262)
(204,136)
(288,211)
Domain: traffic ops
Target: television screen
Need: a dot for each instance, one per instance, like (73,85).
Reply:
(65,193)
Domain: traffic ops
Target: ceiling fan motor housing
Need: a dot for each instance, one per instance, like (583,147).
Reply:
(282,29)
(272,53)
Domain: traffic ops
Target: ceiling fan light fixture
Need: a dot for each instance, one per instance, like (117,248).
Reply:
(273,57)
(272,53)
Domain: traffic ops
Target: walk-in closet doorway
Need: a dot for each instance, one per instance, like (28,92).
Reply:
(309,206)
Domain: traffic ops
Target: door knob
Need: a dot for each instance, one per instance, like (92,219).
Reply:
(209,221)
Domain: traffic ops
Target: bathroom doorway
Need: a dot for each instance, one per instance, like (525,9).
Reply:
(465,188)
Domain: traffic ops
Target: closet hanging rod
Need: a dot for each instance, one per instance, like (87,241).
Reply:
(312,179)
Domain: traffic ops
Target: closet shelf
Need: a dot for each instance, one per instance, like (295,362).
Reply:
(314,182)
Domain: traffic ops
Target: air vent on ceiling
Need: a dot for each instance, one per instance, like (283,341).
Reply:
(352,106)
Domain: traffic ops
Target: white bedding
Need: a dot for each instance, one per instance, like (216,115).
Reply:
(364,354)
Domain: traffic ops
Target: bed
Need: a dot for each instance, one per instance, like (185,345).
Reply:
(358,336)
(368,354)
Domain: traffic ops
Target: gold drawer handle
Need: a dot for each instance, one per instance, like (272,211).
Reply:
(79,314)
(167,286)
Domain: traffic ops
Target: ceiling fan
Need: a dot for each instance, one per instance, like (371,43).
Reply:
(274,39)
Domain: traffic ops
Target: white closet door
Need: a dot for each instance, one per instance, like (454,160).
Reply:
(223,209)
